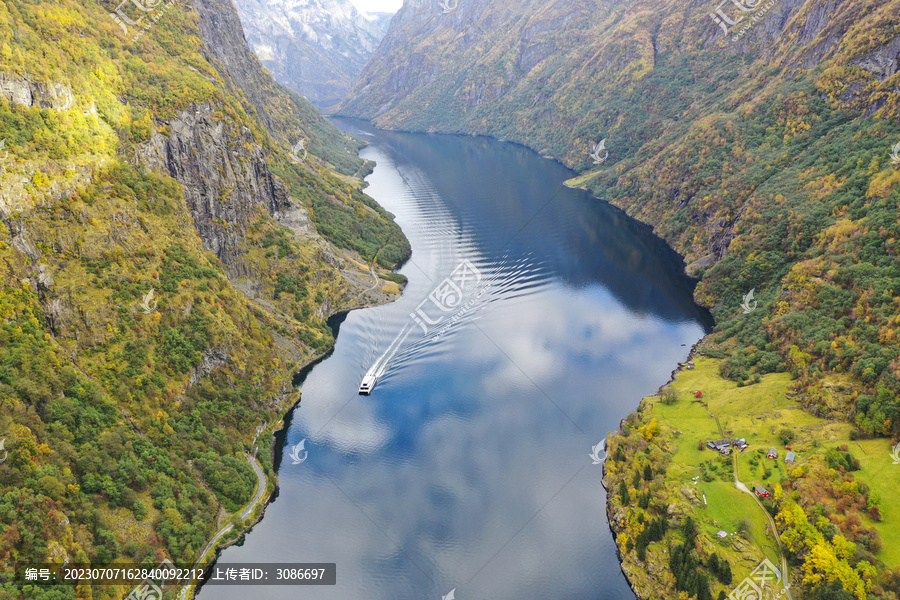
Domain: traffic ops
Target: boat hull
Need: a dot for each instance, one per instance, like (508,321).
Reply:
(367,385)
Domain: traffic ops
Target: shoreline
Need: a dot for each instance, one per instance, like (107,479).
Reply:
(673,376)
(257,509)
(644,577)
(278,429)
(609,517)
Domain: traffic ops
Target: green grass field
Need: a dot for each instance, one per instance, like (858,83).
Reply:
(727,507)
(882,476)
(760,413)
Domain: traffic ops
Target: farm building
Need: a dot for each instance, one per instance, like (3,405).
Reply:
(790,457)
(723,446)
(761,491)
(772,453)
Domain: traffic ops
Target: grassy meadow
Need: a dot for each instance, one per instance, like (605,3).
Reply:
(767,416)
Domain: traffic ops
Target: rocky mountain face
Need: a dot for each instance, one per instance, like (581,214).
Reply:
(314,47)
(164,275)
(25,92)
(562,76)
(223,172)
(221,185)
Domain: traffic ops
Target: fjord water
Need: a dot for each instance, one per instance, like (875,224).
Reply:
(468,468)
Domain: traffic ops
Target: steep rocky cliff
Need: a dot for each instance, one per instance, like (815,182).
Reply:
(222,184)
(314,47)
(163,275)
(22,90)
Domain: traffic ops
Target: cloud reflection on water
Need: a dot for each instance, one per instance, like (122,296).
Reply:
(458,466)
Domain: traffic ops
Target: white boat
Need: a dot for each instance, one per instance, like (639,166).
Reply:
(368,384)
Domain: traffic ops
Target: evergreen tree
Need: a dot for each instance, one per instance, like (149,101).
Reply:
(724,573)
(689,530)
(657,529)
(624,496)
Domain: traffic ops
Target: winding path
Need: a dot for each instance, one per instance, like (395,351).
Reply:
(375,279)
(784,566)
(260,491)
(741,486)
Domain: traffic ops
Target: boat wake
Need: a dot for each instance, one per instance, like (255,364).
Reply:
(507,280)
(377,370)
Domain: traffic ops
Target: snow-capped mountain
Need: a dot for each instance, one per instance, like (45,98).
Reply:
(314,47)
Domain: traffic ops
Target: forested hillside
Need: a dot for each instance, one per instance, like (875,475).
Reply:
(170,251)
(760,140)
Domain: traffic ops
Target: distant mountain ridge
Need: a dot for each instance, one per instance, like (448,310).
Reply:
(314,47)
(381,19)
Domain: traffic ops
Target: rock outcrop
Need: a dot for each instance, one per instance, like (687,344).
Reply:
(22,90)
(225,177)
